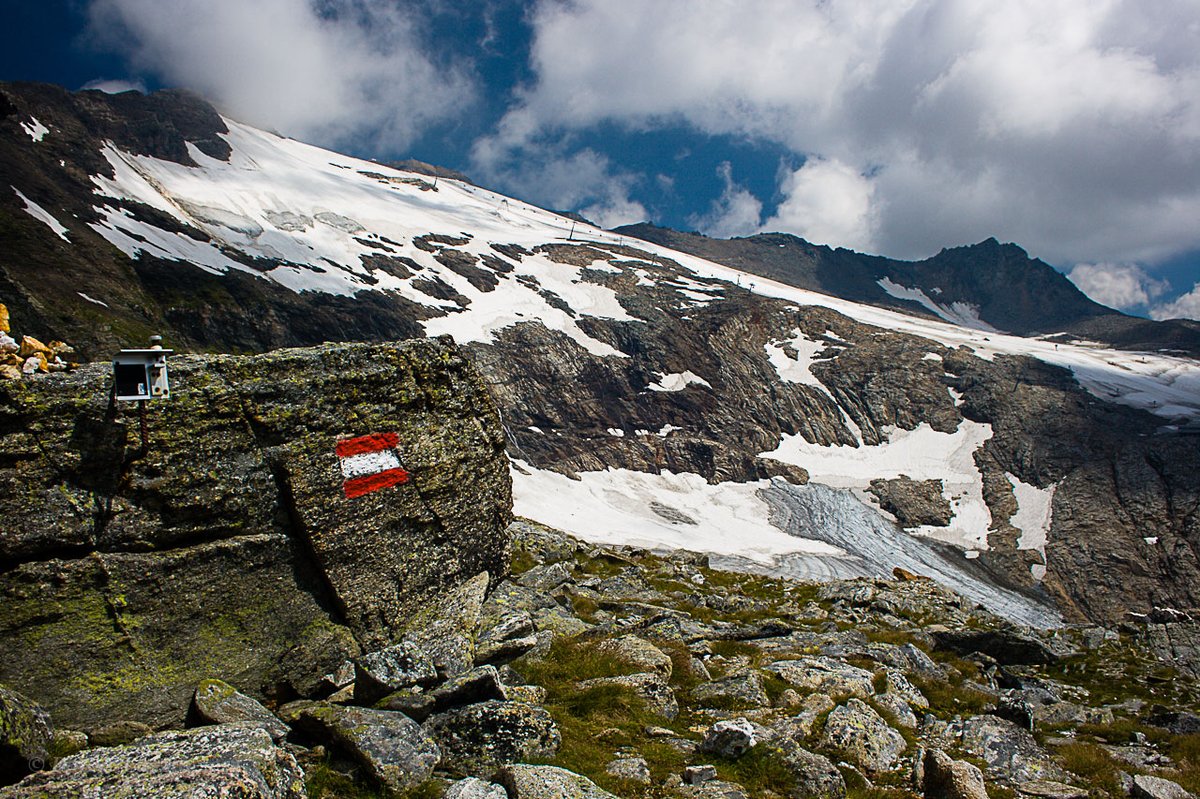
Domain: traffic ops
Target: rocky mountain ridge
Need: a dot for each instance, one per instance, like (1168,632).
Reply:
(988,285)
(660,392)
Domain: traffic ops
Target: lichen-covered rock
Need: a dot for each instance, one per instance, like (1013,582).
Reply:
(227,546)
(446,631)
(815,775)
(730,738)
(234,760)
(1009,751)
(402,665)
(25,736)
(857,732)
(218,702)
(634,769)
(946,778)
(119,733)
(510,636)
(651,688)
(1146,786)
(1071,713)
(396,752)
(548,782)
(485,735)
(825,675)
(638,653)
(736,692)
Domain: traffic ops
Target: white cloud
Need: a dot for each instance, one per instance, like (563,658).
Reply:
(546,174)
(1186,306)
(827,202)
(736,213)
(352,70)
(1072,127)
(1121,286)
(115,86)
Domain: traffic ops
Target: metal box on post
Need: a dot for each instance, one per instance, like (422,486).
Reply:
(140,375)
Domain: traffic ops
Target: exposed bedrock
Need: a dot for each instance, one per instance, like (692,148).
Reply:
(226,546)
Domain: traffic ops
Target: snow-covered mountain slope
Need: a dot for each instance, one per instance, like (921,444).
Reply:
(651,397)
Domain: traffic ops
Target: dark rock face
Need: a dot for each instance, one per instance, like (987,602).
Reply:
(25,736)
(226,546)
(488,734)
(913,502)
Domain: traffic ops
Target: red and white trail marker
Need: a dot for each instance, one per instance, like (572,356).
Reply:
(370,463)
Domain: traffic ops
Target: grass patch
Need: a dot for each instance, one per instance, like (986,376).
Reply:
(1185,750)
(953,697)
(759,770)
(1092,764)
(322,781)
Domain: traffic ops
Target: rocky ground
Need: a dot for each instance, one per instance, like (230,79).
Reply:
(592,672)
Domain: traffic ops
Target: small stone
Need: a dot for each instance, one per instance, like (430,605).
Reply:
(694,775)
(530,694)
(731,738)
(1049,789)
(396,751)
(118,733)
(634,769)
(815,775)
(217,702)
(68,742)
(739,692)
(31,346)
(652,688)
(789,698)
(658,732)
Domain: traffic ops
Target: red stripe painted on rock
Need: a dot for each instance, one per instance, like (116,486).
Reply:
(364,444)
(357,486)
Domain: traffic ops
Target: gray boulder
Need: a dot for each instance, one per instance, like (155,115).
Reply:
(1009,751)
(738,692)
(816,776)
(225,760)
(477,685)
(651,688)
(217,702)
(482,736)
(946,778)
(1010,646)
(25,736)
(639,653)
(511,636)
(395,751)
(731,738)
(223,549)
(1072,713)
(825,675)
(862,736)
(395,668)
(1149,787)
(548,782)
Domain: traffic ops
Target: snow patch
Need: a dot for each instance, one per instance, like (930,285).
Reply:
(678,381)
(92,299)
(796,369)
(42,215)
(959,313)
(1035,511)
(614,507)
(34,129)
(921,454)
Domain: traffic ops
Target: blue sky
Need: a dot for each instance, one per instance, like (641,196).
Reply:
(895,127)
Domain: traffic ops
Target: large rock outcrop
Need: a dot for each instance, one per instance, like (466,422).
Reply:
(223,544)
